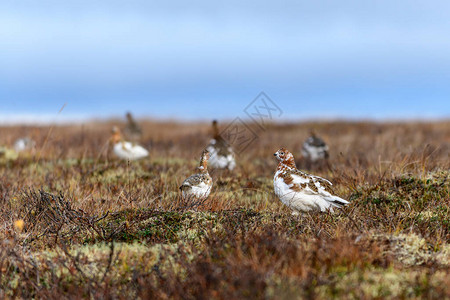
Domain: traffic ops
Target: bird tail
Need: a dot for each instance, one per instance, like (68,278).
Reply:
(336,201)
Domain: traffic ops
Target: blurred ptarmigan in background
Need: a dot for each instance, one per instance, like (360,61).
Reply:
(126,150)
(300,191)
(314,148)
(198,186)
(132,130)
(222,155)
(24,144)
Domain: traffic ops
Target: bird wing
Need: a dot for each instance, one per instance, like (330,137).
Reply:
(310,184)
(129,151)
(195,180)
(134,149)
(221,146)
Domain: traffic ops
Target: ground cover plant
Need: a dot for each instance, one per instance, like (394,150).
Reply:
(77,222)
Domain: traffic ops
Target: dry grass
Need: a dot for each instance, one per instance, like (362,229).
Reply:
(95,226)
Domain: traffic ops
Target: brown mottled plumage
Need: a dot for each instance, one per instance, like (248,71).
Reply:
(314,148)
(199,185)
(222,155)
(301,191)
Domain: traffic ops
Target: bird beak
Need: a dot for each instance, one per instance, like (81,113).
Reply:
(274,154)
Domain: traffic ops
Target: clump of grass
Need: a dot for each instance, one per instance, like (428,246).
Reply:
(50,216)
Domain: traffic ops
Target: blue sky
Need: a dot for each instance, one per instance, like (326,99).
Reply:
(199,60)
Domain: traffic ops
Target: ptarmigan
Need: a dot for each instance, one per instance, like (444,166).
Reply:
(314,148)
(222,155)
(198,186)
(300,191)
(126,150)
(132,130)
(24,144)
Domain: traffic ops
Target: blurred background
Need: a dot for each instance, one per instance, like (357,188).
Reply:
(201,60)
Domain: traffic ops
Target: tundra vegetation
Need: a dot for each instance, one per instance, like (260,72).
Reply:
(77,222)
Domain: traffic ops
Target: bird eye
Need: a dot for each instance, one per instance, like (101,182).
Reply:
(282,153)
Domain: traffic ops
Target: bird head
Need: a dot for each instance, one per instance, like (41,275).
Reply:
(116,135)
(204,160)
(215,129)
(284,156)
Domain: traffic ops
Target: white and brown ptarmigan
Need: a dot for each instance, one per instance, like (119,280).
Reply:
(198,186)
(314,148)
(126,150)
(24,144)
(222,155)
(300,191)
